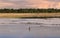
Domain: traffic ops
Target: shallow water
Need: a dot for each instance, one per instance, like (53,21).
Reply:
(29,28)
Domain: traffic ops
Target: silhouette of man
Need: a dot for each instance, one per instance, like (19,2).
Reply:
(29,29)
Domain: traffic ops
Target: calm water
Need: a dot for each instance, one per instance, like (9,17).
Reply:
(30,28)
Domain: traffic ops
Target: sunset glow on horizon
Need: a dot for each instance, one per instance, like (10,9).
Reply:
(29,3)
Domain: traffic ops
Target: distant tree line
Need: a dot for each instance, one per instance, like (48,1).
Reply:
(49,10)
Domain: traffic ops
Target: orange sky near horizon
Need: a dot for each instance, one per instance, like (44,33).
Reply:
(29,3)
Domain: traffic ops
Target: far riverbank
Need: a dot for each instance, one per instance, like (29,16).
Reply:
(29,15)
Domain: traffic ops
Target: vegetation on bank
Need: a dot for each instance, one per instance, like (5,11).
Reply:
(49,10)
(29,15)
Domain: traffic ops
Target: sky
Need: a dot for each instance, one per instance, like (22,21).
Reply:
(29,3)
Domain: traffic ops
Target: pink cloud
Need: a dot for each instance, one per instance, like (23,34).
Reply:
(41,4)
(29,4)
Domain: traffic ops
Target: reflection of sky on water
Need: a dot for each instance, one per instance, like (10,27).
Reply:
(27,36)
(18,28)
(9,36)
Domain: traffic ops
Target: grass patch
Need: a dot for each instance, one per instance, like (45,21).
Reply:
(29,15)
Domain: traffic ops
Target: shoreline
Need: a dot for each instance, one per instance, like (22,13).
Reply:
(29,15)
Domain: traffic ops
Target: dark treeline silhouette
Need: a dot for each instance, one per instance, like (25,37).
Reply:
(49,10)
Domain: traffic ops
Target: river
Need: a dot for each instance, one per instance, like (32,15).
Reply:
(29,28)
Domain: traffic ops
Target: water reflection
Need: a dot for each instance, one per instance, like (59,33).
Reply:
(29,28)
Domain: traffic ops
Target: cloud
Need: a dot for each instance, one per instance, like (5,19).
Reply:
(56,3)
(54,0)
(29,3)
